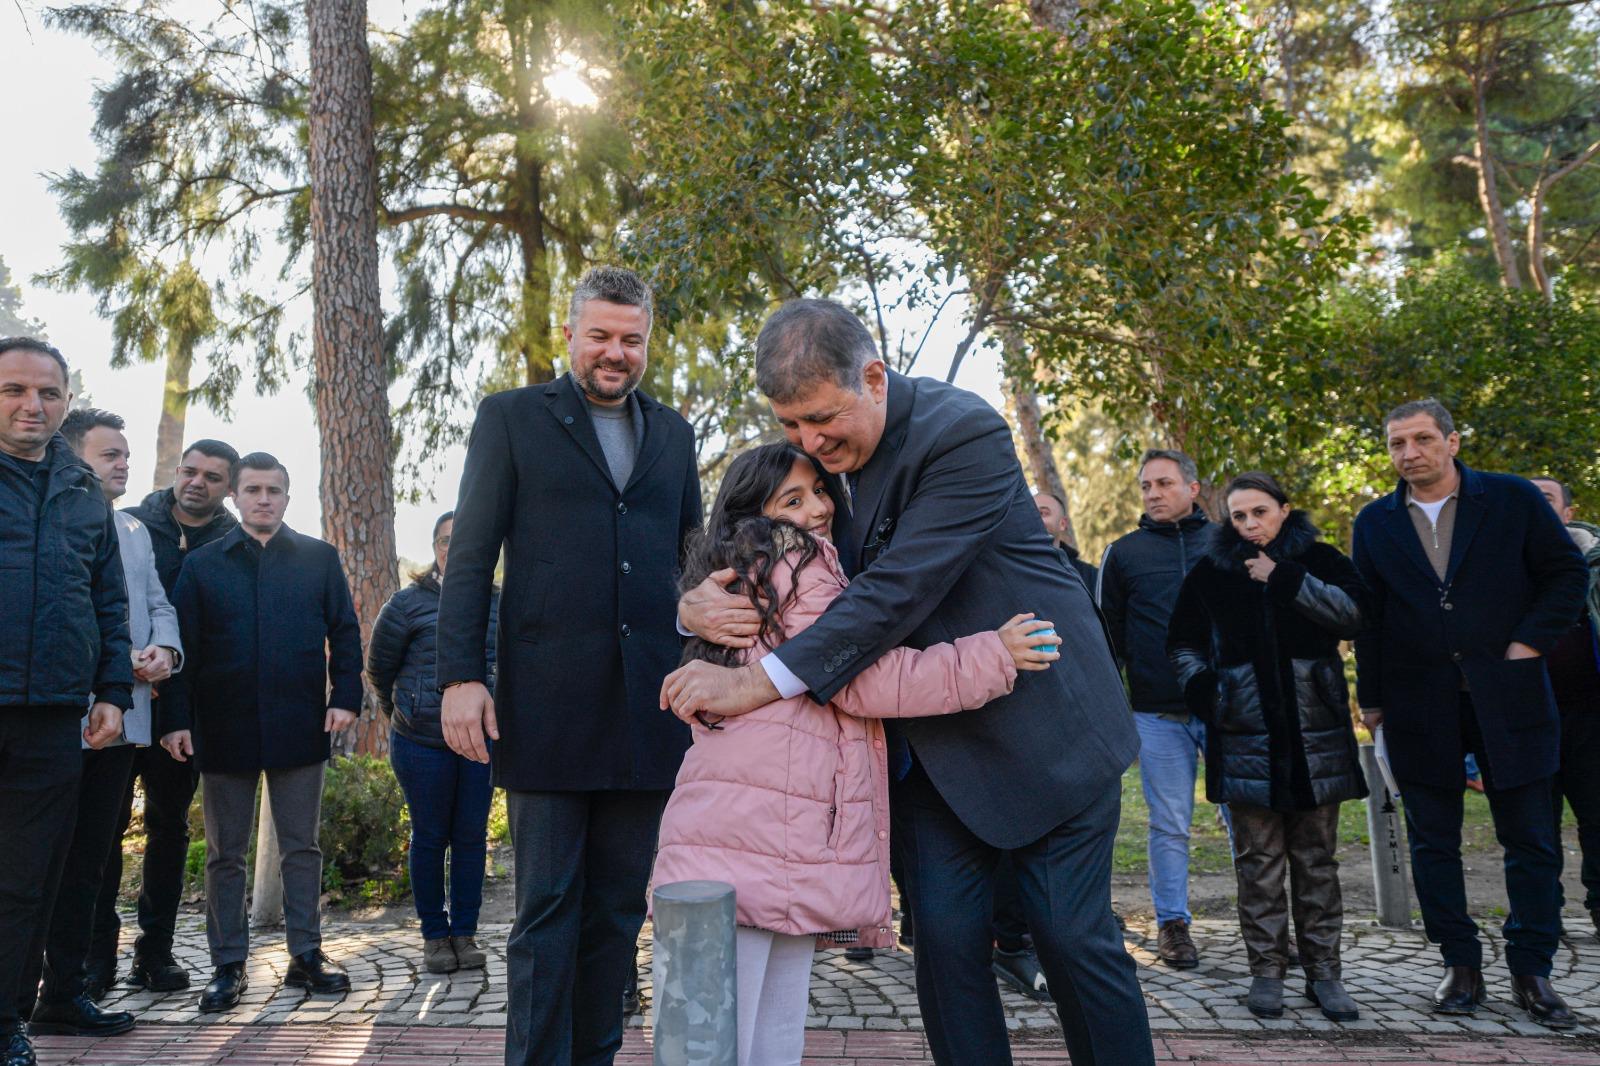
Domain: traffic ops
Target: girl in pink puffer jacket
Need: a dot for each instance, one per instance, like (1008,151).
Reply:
(790,803)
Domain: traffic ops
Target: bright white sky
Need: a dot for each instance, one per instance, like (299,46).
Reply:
(45,117)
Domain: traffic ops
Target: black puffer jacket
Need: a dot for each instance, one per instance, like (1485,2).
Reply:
(401,657)
(1138,584)
(63,600)
(1259,663)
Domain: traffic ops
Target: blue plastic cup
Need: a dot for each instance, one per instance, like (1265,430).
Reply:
(1044,633)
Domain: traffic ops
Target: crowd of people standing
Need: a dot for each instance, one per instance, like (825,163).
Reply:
(879,659)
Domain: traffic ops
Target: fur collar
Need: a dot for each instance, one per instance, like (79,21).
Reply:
(1229,550)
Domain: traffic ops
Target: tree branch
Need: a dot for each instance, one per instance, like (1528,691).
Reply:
(461,211)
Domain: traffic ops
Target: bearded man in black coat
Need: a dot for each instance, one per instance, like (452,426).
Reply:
(590,488)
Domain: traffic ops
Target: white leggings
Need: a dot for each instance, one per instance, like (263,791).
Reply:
(774,995)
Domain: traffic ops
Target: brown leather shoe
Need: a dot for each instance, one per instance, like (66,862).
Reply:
(1542,1002)
(1174,947)
(1460,992)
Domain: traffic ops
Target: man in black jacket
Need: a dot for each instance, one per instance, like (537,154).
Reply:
(943,538)
(590,488)
(1474,580)
(1140,575)
(179,519)
(269,628)
(63,637)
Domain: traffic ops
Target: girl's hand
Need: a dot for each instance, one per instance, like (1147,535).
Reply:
(1026,637)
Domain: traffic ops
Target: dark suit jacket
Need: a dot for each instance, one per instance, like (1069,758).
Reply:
(264,635)
(947,542)
(588,611)
(1514,575)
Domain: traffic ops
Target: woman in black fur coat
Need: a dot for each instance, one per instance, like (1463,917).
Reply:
(1255,642)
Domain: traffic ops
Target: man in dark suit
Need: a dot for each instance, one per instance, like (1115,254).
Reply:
(590,488)
(1474,581)
(944,540)
(269,629)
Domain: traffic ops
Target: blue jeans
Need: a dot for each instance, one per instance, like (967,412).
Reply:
(449,801)
(1168,752)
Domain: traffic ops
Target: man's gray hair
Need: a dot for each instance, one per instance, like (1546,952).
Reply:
(808,342)
(1186,465)
(1426,406)
(614,285)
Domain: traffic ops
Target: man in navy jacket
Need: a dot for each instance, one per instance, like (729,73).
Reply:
(1474,581)
(268,625)
(942,539)
(63,638)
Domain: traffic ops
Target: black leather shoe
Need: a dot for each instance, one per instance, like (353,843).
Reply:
(1460,992)
(1542,1002)
(1021,970)
(316,973)
(227,985)
(98,977)
(15,1047)
(78,1016)
(159,973)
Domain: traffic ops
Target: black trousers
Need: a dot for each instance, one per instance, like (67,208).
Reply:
(1578,784)
(41,762)
(1010,923)
(1526,832)
(169,788)
(105,779)
(582,867)
(1064,880)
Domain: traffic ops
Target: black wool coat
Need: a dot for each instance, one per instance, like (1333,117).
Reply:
(402,656)
(1514,575)
(589,604)
(271,642)
(1260,665)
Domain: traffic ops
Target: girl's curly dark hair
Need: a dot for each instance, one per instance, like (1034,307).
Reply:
(739,537)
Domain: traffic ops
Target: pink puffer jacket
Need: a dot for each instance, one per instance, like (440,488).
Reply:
(790,803)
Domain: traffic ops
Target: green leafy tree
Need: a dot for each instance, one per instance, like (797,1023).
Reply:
(1499,111)
(1520,374)
(1116,194)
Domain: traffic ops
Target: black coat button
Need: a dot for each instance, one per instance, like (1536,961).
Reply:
(627,567)
(567,420)
(1449,606)
(622,508)
(626,631)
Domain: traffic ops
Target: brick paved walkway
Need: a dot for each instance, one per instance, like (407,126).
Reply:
(381,1045)
(1390,974)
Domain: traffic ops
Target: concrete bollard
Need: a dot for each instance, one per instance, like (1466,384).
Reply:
(694,1000)
(1385,830)
(266,899)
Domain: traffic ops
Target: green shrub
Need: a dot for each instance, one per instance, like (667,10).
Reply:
(499,820)
(364,824)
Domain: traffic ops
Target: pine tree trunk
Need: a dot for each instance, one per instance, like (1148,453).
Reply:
(174,412)
(1494,212)
(357,488)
